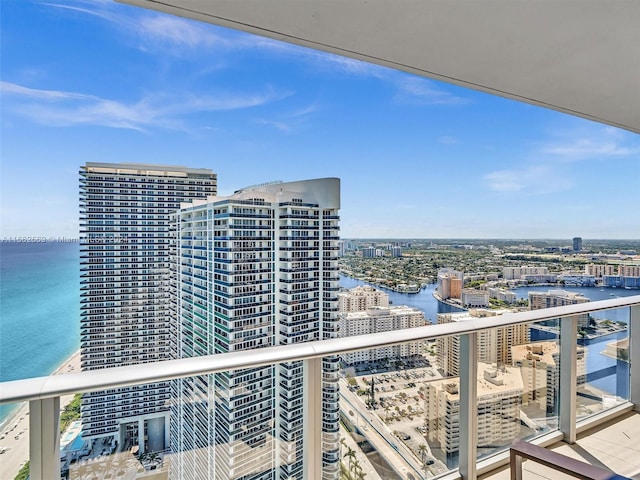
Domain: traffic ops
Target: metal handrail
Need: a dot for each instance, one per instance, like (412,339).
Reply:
(57,385)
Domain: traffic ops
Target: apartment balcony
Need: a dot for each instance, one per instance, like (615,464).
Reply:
(594,416)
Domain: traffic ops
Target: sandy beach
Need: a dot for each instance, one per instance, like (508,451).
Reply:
(15,432)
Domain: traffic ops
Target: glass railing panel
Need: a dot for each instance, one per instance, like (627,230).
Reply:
(14,439)
(386,416)
(517,384)
(602,361)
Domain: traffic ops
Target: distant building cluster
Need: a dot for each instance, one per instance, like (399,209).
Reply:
(364,310)
(624,276)
(373,252)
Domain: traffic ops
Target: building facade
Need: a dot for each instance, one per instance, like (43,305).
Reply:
(361,298)
(254,270)
(450,283)
(474,298)
(494,346)
(381,319)
(515,273)
(558,298)
(124,270)
(498,415)
(539,365)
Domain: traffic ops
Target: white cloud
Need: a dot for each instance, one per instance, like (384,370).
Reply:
(291,121)
(529,180)
(422,91)
(60,108)
(591,143)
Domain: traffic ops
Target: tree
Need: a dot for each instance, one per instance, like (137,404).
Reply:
(422,448)
(351,454)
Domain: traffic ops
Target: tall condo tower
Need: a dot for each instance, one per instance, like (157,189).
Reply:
(124,270)
(253,270)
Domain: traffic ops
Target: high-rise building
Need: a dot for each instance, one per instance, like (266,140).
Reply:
(124,264)
(539,365)
(577,244)
(494,346)
(498,416)
(252,270)
(450,283)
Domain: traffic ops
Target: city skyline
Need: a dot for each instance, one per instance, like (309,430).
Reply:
(417,158)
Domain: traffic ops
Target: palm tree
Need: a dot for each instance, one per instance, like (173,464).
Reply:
(356,466)
(422,448)
(351,453)
(343,443)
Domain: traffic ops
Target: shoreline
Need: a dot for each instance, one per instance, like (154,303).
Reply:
(14,430)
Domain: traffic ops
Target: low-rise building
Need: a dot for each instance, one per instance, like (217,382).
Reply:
(558,298)
(381,319)
(502,295)
(361,298)
(473,298)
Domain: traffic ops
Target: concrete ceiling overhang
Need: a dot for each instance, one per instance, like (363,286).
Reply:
(580,57)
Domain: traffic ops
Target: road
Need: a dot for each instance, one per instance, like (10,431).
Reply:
(381,438)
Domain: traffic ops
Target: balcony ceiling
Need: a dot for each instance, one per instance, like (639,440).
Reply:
(578,57)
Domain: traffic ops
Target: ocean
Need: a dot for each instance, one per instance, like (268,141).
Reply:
(39,309)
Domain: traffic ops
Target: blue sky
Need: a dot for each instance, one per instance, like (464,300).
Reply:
(100,81)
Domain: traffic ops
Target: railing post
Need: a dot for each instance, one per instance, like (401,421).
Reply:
(568,377)
(312,396)
(44,439)
(634,356)
(468,405)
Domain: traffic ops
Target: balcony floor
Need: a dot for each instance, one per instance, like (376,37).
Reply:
(614,446)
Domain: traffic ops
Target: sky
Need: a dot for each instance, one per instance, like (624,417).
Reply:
(97,81)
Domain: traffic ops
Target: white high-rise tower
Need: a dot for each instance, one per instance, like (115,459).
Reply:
(124,270)
(253,270)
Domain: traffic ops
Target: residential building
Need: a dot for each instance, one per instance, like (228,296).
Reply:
(599,270)
(502,295)
(498,416)
(369,252)
(381,319)
(474,298)
(253,270)
(124,289)
(361,298)
(396,251)
(629,270)
(515,273)
(540,369)
(445,278)
(577,278)
(494,346)
(558,298)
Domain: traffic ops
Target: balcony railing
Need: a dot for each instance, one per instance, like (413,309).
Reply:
(43,393)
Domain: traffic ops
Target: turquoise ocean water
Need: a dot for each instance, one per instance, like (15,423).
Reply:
(39,309)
